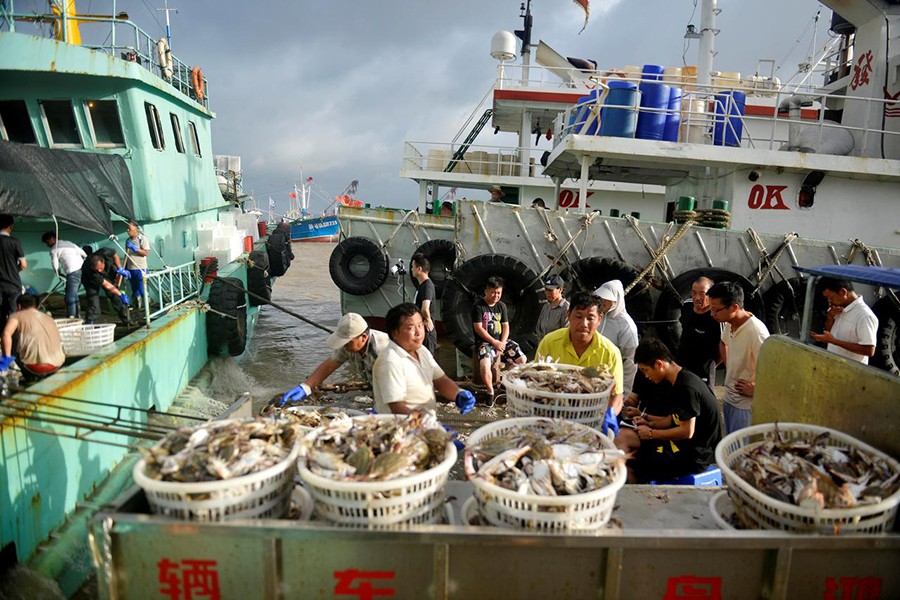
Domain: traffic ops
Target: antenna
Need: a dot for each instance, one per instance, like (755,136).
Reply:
(167,10)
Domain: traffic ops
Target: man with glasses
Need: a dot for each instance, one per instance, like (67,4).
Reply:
(742,336)
(699,351)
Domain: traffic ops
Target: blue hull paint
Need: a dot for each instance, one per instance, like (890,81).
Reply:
(315,229)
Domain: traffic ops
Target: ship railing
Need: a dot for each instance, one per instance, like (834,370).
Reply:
(113,35)
(479,160)
(166,289)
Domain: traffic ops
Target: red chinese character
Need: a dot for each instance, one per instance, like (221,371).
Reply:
(693,588)
(200,579)
(364,590)
(169,579)
(861,70)
(852,588)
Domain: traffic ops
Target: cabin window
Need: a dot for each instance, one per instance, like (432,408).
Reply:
(62,128)
(155,126)
(105,124)
(176,132)
(15,124)
(195,141)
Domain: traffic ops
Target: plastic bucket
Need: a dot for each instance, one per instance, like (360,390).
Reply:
(672,75)
(686,203)
(695,122)
(728,124)
(673,116)
(618,117)
(248,244)
(209,268)
(652,72)
(261,228)
(580,121)
(689,77)
(651,121)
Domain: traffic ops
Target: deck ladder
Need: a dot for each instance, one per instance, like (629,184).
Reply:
(460,152)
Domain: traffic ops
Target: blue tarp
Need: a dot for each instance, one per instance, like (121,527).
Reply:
(858,273)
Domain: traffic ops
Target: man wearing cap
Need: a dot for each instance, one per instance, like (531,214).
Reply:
(553,314)
(619,328)
(497,193)
(353,342)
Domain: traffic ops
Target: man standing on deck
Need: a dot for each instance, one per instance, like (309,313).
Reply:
(137,248)
(72,258)
(699,350)
(420,267)
(742,336)
(353,342)
(97,273)
(12,261)
(579,344)
(851,326)
(554,314)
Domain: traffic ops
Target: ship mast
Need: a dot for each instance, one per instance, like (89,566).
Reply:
(708,33)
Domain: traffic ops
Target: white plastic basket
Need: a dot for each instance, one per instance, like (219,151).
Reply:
(522,401)
(81,340)
(760,510)
(551,514)
(265,494)
(65,323)
(722,509)
(413,500)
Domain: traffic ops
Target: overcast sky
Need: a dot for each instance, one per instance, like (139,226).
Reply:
(338,86)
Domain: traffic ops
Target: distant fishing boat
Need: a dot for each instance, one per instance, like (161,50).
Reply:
(322,228)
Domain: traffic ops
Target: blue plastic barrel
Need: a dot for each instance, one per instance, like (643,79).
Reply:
(673,116)
(655,96)
(652,72)
(728,124)
(582,112)
(618,117)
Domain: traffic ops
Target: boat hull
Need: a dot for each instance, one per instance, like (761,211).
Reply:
(315,229)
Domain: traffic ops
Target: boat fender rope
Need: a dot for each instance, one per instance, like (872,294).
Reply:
(770,260)
(661,253)
(586,221)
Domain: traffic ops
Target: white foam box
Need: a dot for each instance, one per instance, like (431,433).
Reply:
(247,222)
(205,238)
(226,218)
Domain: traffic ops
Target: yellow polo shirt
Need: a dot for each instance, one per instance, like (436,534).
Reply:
(557,346)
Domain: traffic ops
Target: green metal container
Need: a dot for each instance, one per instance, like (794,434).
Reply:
(720,204)
(686,203)
(614,212)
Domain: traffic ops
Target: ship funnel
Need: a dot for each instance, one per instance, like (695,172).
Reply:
(503,46)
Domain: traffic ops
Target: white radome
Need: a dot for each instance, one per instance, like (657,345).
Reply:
(503,45)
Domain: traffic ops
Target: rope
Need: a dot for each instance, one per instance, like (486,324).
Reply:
(770,261)
(661,253)
(400,226)
(640,234)
(858,245)
(586,221)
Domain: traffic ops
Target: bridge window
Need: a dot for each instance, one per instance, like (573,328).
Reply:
(155,126)
(62,128)
(176,131)
(15,124)
(105,124)
(195,141)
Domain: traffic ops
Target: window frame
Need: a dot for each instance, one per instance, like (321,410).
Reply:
(154,124)
(49,131)
(176,131)
(90,122)
(4,133)
(195,139)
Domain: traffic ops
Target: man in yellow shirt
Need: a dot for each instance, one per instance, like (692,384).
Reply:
(579,344)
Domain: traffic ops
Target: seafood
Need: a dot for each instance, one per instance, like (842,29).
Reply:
(817,473)
(220,450)
(372,448)
(548,458)
(309,417)
(548,377)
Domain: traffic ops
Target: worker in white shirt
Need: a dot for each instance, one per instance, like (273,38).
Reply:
(71,257)
(851,326)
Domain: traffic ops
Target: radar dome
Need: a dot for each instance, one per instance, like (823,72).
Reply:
(503,45)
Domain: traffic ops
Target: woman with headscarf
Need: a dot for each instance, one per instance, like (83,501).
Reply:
(619,328)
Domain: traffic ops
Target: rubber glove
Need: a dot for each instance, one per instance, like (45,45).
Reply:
(465,401)
(6,362)
(125,300)
(455,437)
(298,393)
(131,246)
(610,422)
(124,273)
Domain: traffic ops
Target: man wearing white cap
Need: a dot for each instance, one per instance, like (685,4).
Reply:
(619,328)
(353,342)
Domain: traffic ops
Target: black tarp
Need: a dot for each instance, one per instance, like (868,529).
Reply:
(78,188)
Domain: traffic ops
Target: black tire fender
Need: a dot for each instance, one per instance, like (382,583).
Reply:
(887,342)
(521,293)
(588,274)
(226,333)
(668,305)
(442,256)
(258,278)
(784,304)
(358,266)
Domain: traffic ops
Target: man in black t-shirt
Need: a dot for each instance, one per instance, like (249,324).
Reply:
(491,324)
(681,442)
(12,261)
(699,349)
(420,267)
(98,272)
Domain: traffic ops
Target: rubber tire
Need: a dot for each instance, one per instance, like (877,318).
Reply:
(276,246)
(352,250)
(258,278)
(442,256)
(668,306)
(595,271)
(521,293)
(784,313)
(887,341)
(226,336)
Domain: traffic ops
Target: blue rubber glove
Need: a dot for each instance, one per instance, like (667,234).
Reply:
(6,362)
(298,393)
(465,401)
(125,300)
(455,437)
(610,422)
(124,273)
(131,246)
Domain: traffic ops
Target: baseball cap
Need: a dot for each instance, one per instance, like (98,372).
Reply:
(350,326)
(551,282)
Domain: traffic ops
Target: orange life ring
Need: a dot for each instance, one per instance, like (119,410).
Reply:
(197,82)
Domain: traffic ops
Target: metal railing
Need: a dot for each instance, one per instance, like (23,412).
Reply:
(123,39)
(166,289)
(502,161)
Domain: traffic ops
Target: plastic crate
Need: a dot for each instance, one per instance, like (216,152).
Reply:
(81,340)
(522,401)
(710,477)
(66,323)
(265,494)
(412,500)
(552,514)
(756,509)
